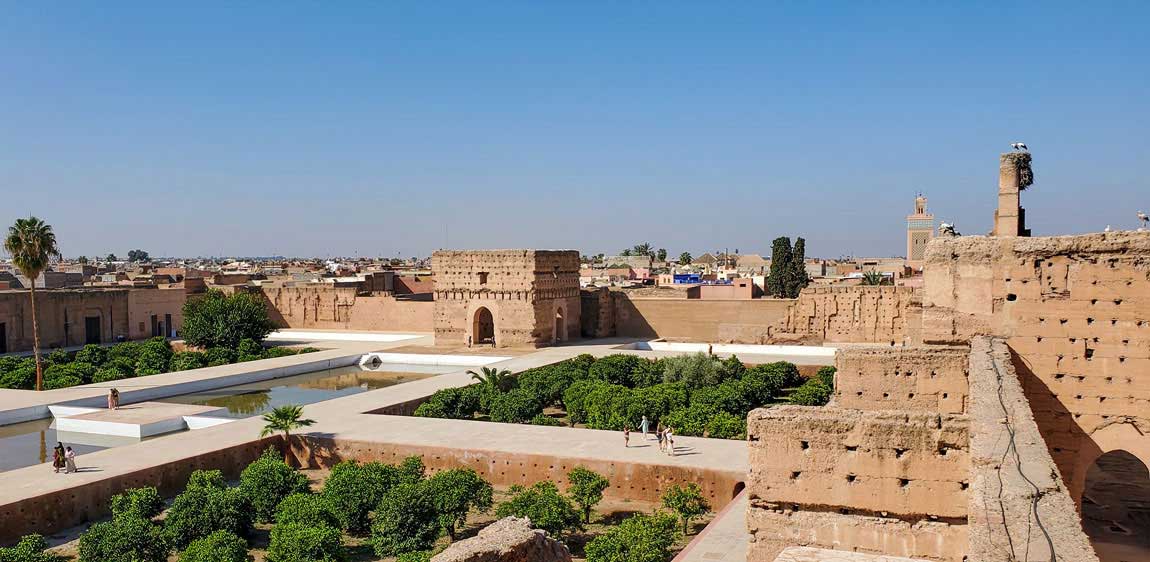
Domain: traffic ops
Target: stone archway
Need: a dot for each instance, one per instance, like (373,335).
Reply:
(560,333)
(483,327)
(1116,507)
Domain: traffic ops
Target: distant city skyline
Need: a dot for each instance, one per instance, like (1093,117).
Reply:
(392,130)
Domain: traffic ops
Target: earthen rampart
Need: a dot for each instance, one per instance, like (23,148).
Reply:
(923,379)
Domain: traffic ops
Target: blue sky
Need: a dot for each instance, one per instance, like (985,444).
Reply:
(383,128)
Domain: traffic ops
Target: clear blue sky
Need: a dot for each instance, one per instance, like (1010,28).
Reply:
(338,128)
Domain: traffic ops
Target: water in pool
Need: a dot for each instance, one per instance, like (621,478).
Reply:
(30,443)
(248,400)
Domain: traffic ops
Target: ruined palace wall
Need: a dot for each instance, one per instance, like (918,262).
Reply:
(1076,313)
(61,314)
(1005,445)
(749,321)
(882,481)
(925,379)
(862,314)
(342,308)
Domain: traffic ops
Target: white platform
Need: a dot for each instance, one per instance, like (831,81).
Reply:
(736,349)
(136,421)
(303,335)
(429,359)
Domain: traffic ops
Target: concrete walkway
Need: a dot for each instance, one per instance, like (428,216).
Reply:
(724,540)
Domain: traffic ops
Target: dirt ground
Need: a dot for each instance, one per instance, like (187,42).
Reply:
(611,511)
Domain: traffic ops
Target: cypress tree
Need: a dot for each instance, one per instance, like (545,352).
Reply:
(781,260)
(798,278)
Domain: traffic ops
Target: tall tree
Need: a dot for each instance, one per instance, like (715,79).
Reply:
(643,249)
(685,258)
(798,278)
(31,243)
(781,260)
(138,256)
(661,255)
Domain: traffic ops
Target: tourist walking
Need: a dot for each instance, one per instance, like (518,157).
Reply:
(69,460)
(670,440)
(626,436)
(643,425)
(113,399)
(659,435)
(58,457)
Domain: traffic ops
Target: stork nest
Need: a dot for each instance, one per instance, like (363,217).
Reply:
(1025,173)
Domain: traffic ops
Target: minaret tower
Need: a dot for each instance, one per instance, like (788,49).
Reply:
(919,231)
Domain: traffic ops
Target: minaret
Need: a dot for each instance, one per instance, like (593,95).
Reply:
(919,231)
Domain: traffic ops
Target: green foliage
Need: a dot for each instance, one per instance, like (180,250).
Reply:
(188,360)
(297,542)
(543,505)
(687,501)
(811,393)
(17,373)
(355,489)
(126,350)
(217,356)
(657,401)
(732,368)
(609,407)
(726,397)
(827,376)
(724,425)
(546,384)
(411,470)
(273,352)
(516,406)
(59,357)
(574,398)
(61,382)
(685,258)
(307,509)
(647,373)
(586,487)
(545,420)
(224,320)
(79,371)
(150,361)
(207,505)
(138,256)
(641,538)
(499,380)
(691,420)
(249,346)
(405,521)
(140,502)
(107,374)
(615,369)
(456,492)
(30,549)
(130,538)
(267,481)
(582,364)
(788,272)
(453,403)
(92,353)
(874,278)
(220,546)
(785,370)
(696,370)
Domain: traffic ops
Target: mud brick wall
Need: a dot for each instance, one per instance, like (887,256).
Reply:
(888,315)
(885,474)
(924,379)
(1075,311)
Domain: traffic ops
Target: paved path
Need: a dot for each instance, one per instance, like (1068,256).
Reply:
(724,540)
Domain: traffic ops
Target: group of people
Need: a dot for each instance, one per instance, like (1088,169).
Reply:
(664,434)
(63,457)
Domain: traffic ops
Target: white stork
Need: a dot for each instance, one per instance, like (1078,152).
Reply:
(1145,220)
(1019,146)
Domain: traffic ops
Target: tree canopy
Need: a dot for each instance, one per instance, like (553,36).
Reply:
(217,319)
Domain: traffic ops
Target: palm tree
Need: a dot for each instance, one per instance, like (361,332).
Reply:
(31,243)
(498,379)
(286,419)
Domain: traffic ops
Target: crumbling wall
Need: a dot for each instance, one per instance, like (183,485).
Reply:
(863,314)
(881,481)
(343,308)
(924,379)
(1019,507)
(1075,311)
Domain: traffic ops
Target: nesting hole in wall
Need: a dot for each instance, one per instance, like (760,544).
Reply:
(903,482)
(805,445)
(1011,297)
(964,485)
(852,448)
(1062,321)
(898,453)
(795,475)
(851,478)
(942,451)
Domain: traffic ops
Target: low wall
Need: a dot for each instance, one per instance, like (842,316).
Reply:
(1018,501)
(862,314)
(747,321)
(884,482)
(923,379)
(633,481)
(343,308)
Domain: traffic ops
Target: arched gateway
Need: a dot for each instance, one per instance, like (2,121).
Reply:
(483,327)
